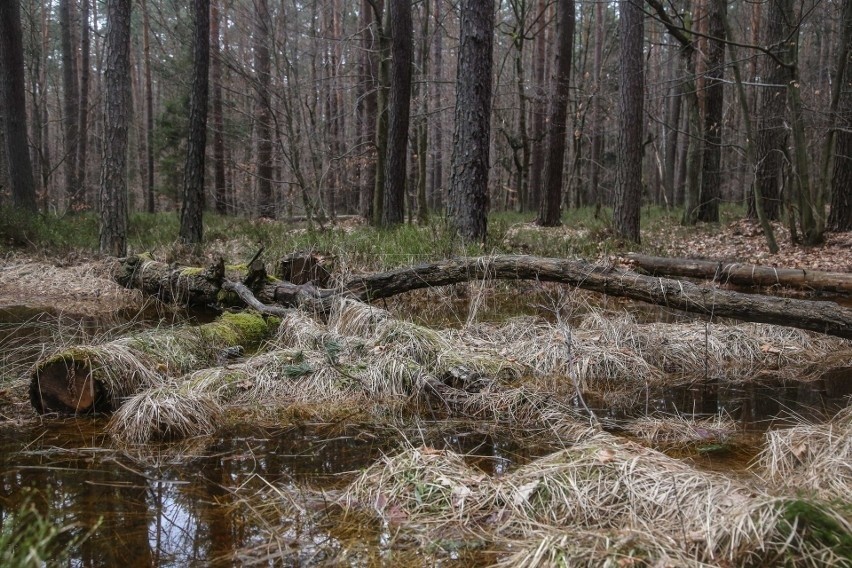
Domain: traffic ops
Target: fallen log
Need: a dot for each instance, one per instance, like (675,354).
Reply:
(185,285)
(823,317)
(744,274)
(99,377)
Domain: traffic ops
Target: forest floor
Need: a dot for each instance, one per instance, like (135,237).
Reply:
(503,423)
(76,280)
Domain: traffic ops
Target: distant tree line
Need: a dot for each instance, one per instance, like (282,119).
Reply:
(397,110)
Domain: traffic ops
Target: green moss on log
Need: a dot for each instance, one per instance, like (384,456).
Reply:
(99,377)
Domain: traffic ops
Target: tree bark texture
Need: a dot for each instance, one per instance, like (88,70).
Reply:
(840,216)
(551,203)
(263,109)
(399,108)
(220,193)
(628,194)
(85,72)
(98,378)
(468,192)
(368,102)
(70,102)
(113,189)
(150,203)
(771,126)
(14,106)
(711,175)
(822,317)
(193,173)
(596,150)
(744,274)
(436,185)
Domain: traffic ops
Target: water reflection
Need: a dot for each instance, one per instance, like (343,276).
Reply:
(163,511)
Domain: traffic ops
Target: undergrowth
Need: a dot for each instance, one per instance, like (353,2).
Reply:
(585,232)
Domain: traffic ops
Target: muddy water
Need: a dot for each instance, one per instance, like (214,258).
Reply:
(165,510)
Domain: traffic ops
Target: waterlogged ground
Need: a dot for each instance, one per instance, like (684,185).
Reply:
(179,505)
(190,503)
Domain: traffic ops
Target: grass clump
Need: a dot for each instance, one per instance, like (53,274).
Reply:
(29,538)
(811,457)
(597,502)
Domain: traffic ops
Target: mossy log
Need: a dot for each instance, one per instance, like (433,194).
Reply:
(99,377)
(744,274)
(184,285)
(823,317)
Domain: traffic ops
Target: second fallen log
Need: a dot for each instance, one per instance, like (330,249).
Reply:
(744,274)
(99,377)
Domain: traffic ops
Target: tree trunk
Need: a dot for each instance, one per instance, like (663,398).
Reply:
(85,72)
(14,106)
(551,203)
(839,146)
(711,178)
(150,203)
(4,164)
(596,150)
(263,109)
(423,119)
(744,274)
(771,121)
(193,173)
(220,193)
(98,378)
(368,102)
(70,103)
(822,317)
(113,191)
(436,185)
(628,194)
(381,110)
(468,192)
(399,107)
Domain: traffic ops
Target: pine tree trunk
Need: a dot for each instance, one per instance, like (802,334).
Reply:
(551,204)
(711,178)
(85,72)
(423,122)
(771,125)
(628,194)
(383,23)
(220,194)
(436,185)
(113,189)
(596,150)
(399,107)
(840,217)
(150,203)
(368,99)
(193,173)
(70,103)
(468,192)
(539,112)
(14,106)
(263,109)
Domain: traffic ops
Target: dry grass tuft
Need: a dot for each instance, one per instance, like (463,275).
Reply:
(679,431)
(165,413)
(420,483)
(616,500)
(811,457)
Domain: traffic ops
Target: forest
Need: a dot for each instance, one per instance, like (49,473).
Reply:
(316,110)
(426,282)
